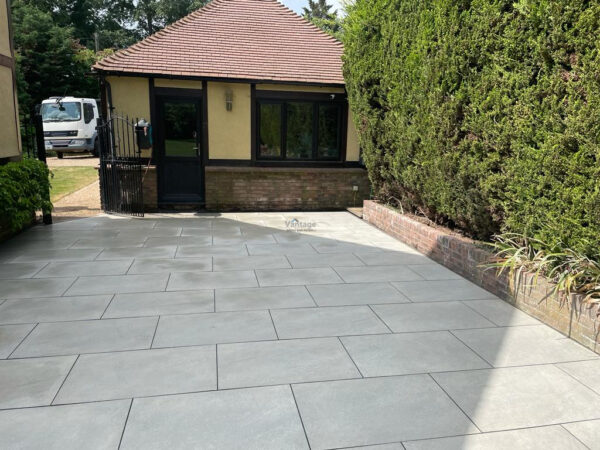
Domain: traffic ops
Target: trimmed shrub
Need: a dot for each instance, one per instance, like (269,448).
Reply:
(482,114)
(24,189)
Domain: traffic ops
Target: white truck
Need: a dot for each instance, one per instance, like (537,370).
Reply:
(70,125)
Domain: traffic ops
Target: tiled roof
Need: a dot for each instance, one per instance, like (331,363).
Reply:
(236,39)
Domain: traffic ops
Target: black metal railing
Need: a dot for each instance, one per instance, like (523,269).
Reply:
(121,165)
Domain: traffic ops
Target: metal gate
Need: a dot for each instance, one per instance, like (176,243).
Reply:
(121,165)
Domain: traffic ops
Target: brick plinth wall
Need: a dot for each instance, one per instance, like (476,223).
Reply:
(284,189)
(150,186)
(465,257)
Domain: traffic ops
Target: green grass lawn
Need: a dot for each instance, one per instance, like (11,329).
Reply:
(65,180)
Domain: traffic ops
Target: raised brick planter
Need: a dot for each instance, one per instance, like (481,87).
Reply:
(465,257)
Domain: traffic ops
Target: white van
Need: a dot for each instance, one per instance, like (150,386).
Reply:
(70,125)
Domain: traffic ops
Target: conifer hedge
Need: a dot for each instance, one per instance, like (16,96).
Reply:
(483,114)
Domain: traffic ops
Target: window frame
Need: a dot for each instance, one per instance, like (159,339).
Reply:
(317,100)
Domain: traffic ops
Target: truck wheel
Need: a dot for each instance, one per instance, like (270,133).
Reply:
(59,155)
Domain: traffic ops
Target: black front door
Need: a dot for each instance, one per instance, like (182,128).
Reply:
(181,172)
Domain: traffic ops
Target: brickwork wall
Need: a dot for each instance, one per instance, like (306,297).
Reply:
(150,187)
(465,257)
(284,189)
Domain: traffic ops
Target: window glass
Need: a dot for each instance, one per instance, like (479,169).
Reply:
(299,130)
(88,112)
(270,130)
(328,146)
(180,128)
(61,112)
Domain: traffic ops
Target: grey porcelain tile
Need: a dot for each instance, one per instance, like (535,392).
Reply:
(259,418)
(32,382)
(143,266)
(376,273)
(434,271)
(58,255)
(395,446)
(548,438)
(166,231)
(20,270)
(185,223)
(53,309)
(280,249)
(214,328)
(11,336)
(331,246)
(442,290)
(222,263)
(324,260)
(430,317)
(262,298)
(210,280)
(394,258)
(211,250)
(71,338)
(516,346)
(321,322)
(355,294)
(119,284)
(179,241)
(160,303)
(33,287)
(110,254)
(501,313)
(519,397)
(377,410)
(283,362)
(291,277)
(83,268)
(244,239)
(586,372)
(406,353)
(140,373)
(587,432)
(111,242)
(72,427)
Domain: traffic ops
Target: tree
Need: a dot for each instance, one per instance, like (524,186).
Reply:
(318,12)
(152,15)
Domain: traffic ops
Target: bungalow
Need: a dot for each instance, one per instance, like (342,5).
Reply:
(248,111)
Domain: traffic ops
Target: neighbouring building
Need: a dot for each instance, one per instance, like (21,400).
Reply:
(10,141)
(247,107)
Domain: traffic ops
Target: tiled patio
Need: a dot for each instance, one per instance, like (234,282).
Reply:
(231,331)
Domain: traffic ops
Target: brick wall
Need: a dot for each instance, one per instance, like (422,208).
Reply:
(465,256)
(275,188)
(150,187)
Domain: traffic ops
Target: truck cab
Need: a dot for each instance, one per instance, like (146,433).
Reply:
(70,125)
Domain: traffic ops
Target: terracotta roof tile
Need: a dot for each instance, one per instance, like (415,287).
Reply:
(238,39)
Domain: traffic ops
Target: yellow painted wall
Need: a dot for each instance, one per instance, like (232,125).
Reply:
(4,34)
(130,96)
(229,131)
(182,84)
(10,142)
(352,145)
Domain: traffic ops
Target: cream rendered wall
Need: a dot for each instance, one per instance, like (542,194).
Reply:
(352,145)
(130,96)
(10,140)
(229,131)
(5,48)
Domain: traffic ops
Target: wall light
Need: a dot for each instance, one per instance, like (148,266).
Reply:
(228,100)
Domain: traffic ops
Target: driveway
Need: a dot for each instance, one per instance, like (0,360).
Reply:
(239,331)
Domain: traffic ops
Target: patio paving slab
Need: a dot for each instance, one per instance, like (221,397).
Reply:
(185,281)
(376,273)
(112,242)
(211,250)
(11,336)
(140,373)
(393,258)
(430,317)
(33,288)
(83,268)
(247,299)
(586,372)
(548,438)
(160,266)
(517,346)
(324,322)
(442,290)
(292,277)
(71,338)
(222,263)
(519,397)
(72,427)
(169,241)
(283,362)
(119,284)
(32,382)
(410,353)
(54,309)
(20,270)
(355,294)
(37,255)
(501,313)
(281,249)
(587,432)
(258,418)
(377,410)
(214,328)
(324,260)
(110,254)
(434,271)
(160,303)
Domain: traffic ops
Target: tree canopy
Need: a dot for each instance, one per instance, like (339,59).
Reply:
(319,13)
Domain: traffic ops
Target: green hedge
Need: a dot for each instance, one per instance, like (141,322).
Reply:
(484,115)
(24,189)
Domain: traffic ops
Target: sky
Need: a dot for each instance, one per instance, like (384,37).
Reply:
(297,5)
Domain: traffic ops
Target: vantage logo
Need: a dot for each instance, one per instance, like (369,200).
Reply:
(297,225)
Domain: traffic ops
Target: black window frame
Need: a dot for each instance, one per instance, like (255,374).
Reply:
(317,100)
(88,108)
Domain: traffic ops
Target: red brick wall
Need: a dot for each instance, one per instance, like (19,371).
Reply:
(465,256)
(275,188)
